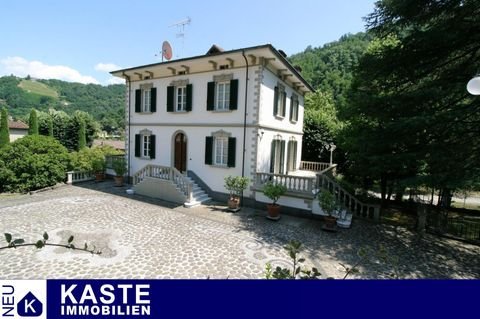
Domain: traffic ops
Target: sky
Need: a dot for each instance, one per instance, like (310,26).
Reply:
(82,40)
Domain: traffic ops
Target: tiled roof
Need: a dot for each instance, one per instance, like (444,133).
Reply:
(17,125)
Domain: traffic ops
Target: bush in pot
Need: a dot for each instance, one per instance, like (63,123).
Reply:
(98,166)
(273,191)
(328,203)
(235,185)
(120,167)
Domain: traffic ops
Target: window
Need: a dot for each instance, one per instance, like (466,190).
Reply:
(222,95)
(181,99)
(292,155)
(146,99)
(221,151)
(294,108)
(277,156)
(279,101)
(145,145)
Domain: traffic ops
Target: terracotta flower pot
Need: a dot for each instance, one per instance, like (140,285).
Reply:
(273,210)
(99,177)
(233,202)
(118,180)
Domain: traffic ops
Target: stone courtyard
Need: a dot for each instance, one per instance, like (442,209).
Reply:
(146,238)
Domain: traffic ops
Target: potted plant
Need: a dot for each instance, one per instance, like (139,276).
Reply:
(235,185)
(120,168)
(328,204)
(98,167)
(274,191)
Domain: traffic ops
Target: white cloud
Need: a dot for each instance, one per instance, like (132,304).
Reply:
(106,67)
(22,67)
(115,80)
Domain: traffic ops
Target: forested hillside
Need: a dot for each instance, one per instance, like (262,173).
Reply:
(104,103)
(329,68)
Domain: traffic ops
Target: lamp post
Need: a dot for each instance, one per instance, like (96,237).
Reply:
(473,86)
(331,148)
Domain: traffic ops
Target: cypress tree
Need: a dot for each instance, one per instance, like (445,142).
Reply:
(4,132)
(50,126)
(82,142)
(33,123)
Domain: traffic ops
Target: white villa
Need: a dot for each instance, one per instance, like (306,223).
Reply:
(193,121)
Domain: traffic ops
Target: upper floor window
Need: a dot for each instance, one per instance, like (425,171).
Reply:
(294,108)
(279,101)
(179,97)
(146,99)
(222,99)
(222,95)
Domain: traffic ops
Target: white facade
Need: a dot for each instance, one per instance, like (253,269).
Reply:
(249,132)
(15,133)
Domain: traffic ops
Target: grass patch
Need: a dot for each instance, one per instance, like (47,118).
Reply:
(38,88)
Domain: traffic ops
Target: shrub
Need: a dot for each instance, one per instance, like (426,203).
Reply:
(274,191)
(4,132)
(119,166)
(90,159)
(32,162)
(236,185)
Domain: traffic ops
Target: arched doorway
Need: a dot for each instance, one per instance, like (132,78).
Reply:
(180,152)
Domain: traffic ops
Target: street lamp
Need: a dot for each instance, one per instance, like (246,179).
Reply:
(331,148)
(473,86)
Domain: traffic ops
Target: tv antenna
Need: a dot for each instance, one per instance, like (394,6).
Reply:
(181,30)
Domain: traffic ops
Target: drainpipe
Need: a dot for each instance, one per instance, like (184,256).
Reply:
(127,78)
(245,119)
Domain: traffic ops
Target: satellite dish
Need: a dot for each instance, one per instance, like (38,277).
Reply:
(166,50)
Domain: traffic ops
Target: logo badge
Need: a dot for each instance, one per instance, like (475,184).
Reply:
(29,306)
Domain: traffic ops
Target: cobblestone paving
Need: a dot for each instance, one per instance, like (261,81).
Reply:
(147,238)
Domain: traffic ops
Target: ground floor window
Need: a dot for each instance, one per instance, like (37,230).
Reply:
(145,145)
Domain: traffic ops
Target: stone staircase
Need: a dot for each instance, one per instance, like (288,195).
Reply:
(199,196)
(168,184)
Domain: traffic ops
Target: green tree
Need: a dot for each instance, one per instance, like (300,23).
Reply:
(411,121)
(321,127)
(82,143)
(4,132)
(33,123)
(49,126)
(32,162)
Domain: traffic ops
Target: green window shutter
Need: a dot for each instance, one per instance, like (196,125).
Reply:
(233,94)
(138,101)
(275,101)
(170,98)
(232,143)
(138,144)
(152,146)
(153,100)
(211,96)
(297,109)
(209,150)
(291,107)
(272,156)
(189,97)
(282,157)
(284,96)
(295,155)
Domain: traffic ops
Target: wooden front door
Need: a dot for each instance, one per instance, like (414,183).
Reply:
(180,157)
